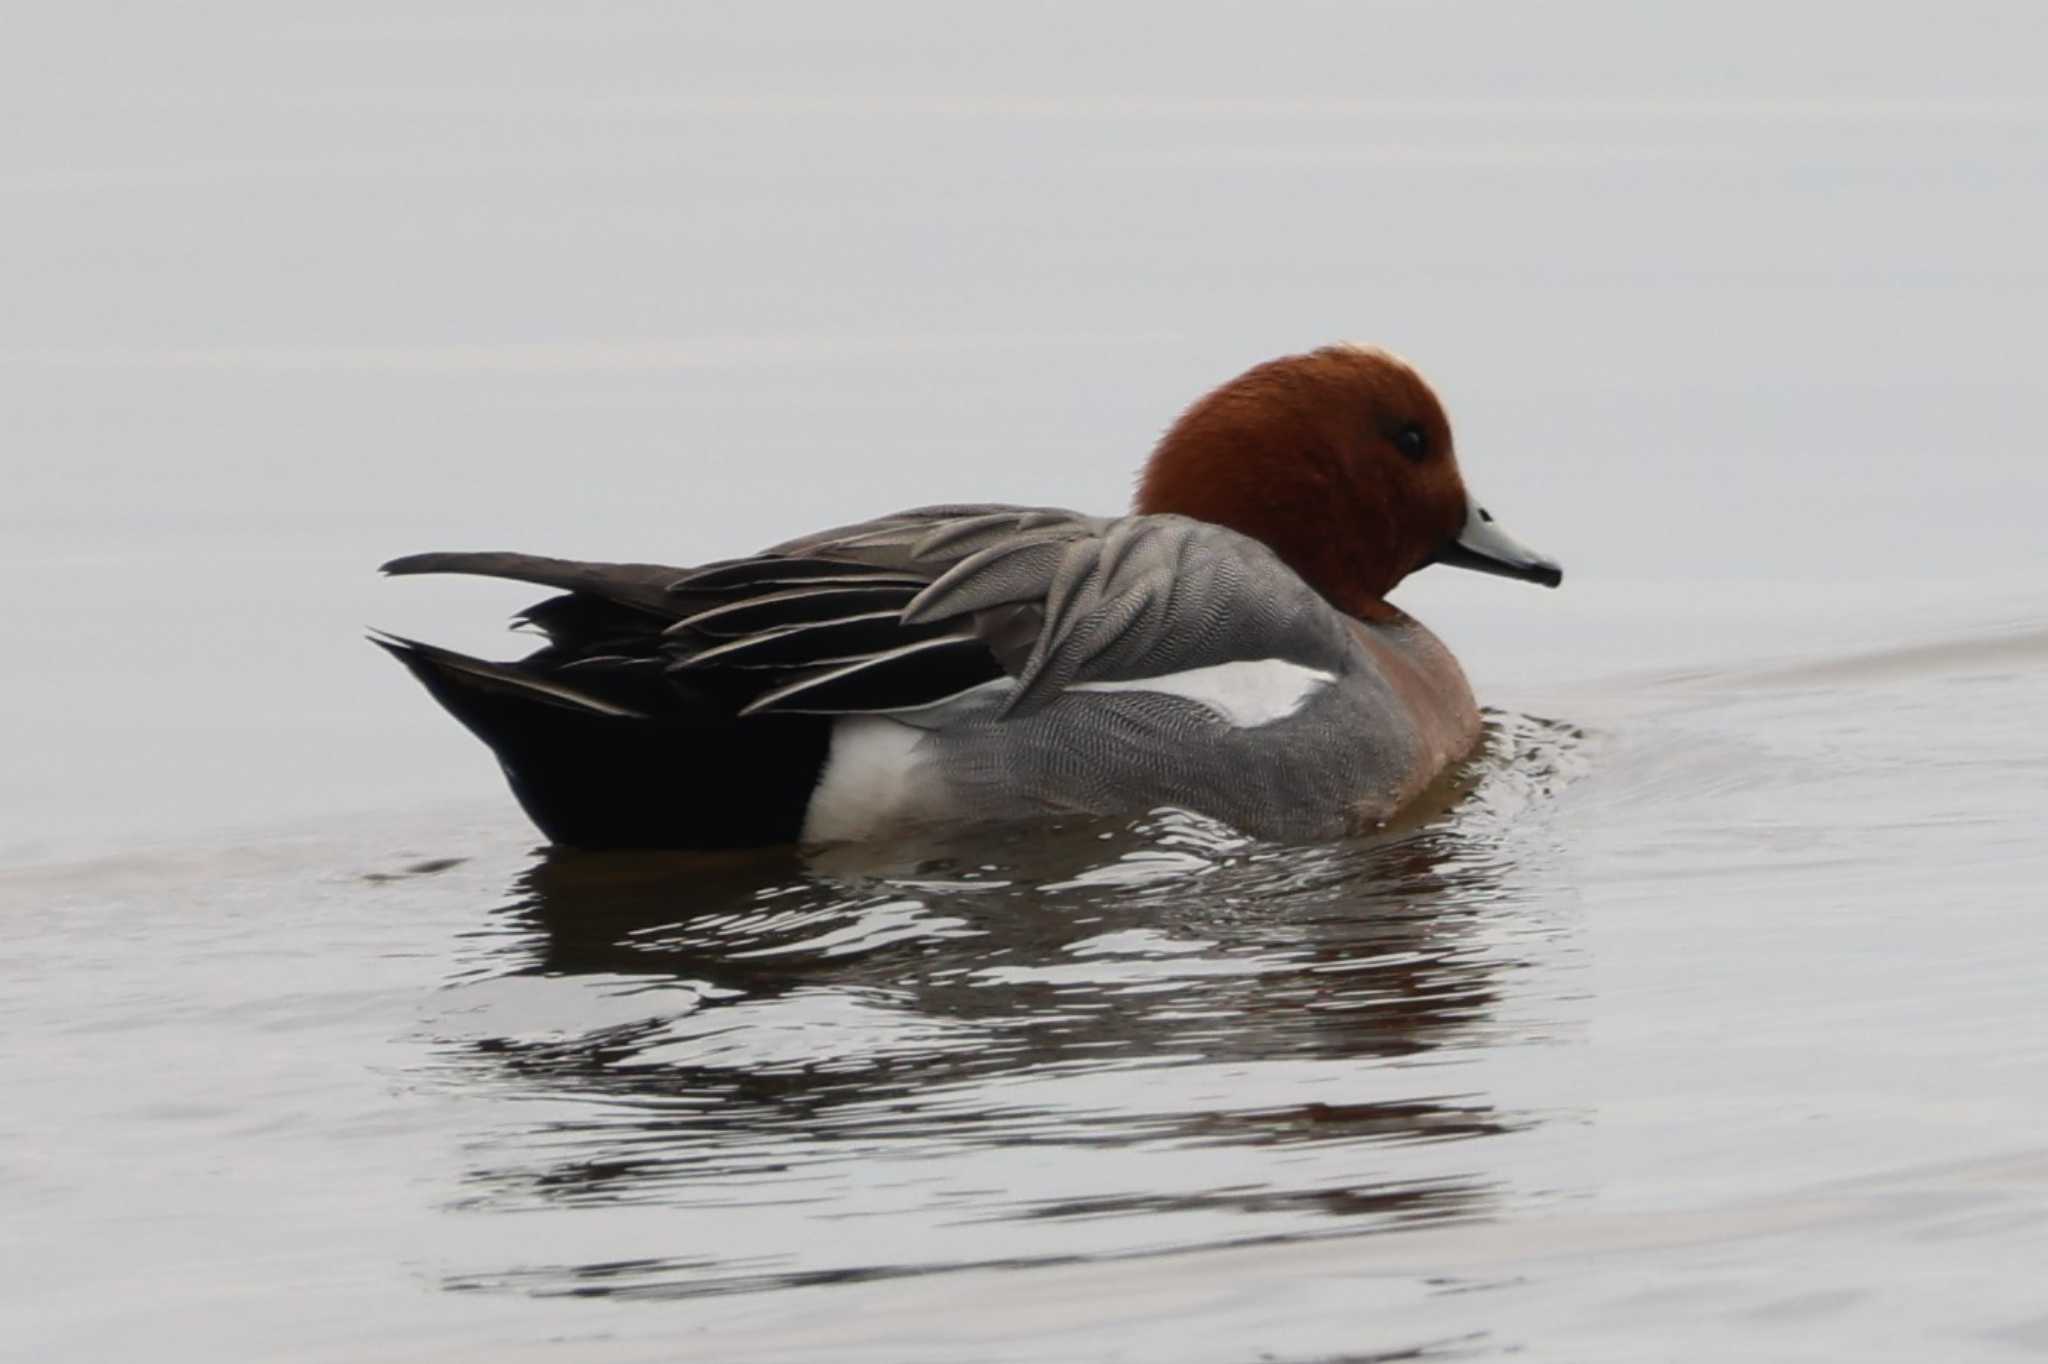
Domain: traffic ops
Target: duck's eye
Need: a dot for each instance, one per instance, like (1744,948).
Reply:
(1410,441)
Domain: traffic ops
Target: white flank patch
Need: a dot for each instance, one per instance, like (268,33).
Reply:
(1246,694)
(873,776)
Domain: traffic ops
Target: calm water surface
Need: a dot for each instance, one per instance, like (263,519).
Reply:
(1709,1015)
(1703,1021)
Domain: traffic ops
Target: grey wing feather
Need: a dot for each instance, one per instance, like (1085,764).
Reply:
(1143,597)
(1001,575)
(796,606)
(1051,598)
(931,540)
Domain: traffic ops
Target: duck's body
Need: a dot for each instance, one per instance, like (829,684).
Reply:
(979,663)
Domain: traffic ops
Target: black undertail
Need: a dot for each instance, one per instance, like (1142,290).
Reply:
(675,708)
(687,778)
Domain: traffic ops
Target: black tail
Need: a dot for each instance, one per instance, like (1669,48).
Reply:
(594,773)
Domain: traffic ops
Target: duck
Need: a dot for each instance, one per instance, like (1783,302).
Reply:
(1226,648)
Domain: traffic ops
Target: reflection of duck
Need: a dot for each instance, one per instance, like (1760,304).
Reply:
(1227,649)
(948,1001)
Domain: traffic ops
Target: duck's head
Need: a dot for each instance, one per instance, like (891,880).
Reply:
(1340,460)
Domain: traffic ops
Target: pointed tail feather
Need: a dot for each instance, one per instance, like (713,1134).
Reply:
(641,585)
(432,665)
(594,774)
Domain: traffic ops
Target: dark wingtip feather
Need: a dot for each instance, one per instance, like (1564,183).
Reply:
(414,563)
(910,677)
(396,645)
(793,606)
(436,667)
(641,586)
(487,563)
(777,571)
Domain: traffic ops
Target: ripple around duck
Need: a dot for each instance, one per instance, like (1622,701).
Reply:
(860,1032)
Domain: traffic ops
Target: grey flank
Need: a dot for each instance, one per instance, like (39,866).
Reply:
(1120,601)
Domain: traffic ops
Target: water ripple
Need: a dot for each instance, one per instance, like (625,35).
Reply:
(1202,1038)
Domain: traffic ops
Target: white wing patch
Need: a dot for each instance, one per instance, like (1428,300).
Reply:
(874,777)
(1245,694)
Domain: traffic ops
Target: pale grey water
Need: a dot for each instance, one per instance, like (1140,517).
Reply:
(1707,1027)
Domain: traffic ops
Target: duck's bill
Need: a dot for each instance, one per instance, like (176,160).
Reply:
(1484,547)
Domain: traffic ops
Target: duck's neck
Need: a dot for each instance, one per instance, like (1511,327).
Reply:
(1375,611)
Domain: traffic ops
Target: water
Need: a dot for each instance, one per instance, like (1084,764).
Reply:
(1702,1023)
(1706,1025)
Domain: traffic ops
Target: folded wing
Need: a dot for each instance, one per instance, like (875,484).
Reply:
(906,612)
(1078,603)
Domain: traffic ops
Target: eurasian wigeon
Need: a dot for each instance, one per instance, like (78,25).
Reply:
(1227,648)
